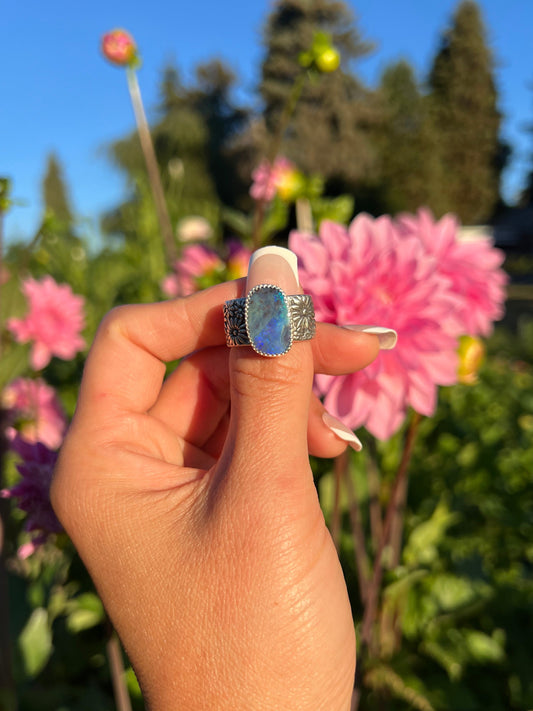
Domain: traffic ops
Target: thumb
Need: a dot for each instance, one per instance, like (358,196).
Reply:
(270,395)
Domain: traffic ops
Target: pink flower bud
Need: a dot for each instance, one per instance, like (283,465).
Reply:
(119,47)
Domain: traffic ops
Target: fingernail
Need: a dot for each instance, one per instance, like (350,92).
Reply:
(274,265)
(387,337)
(340,430)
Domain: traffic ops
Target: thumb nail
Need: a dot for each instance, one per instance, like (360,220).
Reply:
(274,265)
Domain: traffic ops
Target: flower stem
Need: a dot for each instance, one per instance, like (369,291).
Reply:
(274,148)
(376,524)
(152,167)
(361,558)
(340,465)
(393,508)
(304,216)
(116,666)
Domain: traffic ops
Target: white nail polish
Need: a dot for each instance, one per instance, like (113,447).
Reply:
(286,254)
(387,337)
(340,430)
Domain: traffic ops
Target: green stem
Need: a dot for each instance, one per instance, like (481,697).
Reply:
(361,558)
(152,167)
(304,216)
(340,465)
(275,146)
(116,665)
(374,589)
(376,523)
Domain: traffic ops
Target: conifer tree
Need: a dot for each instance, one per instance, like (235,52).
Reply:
(54,192)
(407,159)
(225,122)
(466,119)
(329,131)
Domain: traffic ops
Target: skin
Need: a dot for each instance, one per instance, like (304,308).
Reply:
(199,522)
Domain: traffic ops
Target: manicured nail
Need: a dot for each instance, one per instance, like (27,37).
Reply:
(387,337)
(340,430)
(274,254)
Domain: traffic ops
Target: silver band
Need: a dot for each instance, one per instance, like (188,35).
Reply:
(301,319)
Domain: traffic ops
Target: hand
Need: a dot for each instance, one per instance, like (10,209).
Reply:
(192,503)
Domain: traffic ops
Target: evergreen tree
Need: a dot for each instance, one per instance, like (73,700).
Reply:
(403,138)
(466,119)
(525,197)
(329,131)
(225,122)
(55,194)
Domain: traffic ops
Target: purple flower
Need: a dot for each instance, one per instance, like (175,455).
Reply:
(32,492)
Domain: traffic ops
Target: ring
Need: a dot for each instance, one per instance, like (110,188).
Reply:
(269,320)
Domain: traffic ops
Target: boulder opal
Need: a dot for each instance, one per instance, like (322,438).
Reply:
(267,320)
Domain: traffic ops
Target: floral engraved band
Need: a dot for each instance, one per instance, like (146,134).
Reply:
(269,320)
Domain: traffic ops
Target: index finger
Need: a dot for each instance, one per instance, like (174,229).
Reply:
(126,364)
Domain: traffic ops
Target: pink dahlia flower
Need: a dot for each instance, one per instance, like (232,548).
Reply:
(194,270)
(54,321)
(376,273)
(35,411)
(472,267)
(200,267)
(32,492)
(269,178)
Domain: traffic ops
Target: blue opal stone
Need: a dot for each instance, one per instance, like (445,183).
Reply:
(267,320)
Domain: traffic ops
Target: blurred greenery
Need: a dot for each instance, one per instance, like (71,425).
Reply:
(457,613)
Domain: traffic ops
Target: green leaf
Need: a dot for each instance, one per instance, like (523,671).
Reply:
(35,642)
(384,677)
(421,548)
(132,684)
(484,649)
(86,611)
(14,363)
(237,221)
(276,219)
(338,209)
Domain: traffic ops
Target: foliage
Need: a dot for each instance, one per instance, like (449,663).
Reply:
(456,616)
(328,129)
(55,197)
(404,143)
(466,120)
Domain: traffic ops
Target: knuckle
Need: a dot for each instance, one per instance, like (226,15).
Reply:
(114,321)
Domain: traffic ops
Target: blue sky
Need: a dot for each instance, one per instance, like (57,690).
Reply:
(57,93)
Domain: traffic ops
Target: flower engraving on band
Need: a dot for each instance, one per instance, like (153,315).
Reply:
(235,308)
(302,317)
(235,327)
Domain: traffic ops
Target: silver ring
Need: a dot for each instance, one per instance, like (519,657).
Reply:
(268,320)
